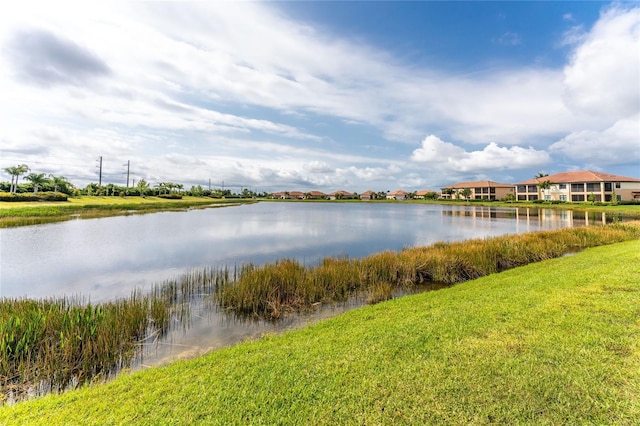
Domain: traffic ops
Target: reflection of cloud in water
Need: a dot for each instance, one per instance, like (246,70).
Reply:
(102,258)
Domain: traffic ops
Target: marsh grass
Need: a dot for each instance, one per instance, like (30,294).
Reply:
(53,344)
(274,289)
(97,207)
(59,343)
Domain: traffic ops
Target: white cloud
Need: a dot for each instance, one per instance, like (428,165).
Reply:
(449,157)
(602,79)
(243,88)
(618,144)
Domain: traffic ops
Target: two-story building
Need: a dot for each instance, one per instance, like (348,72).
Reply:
(579,186)
(479,190)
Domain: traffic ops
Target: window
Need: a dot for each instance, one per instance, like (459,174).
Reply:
(617,185)
(577,187)
(547,197)
(532,188)
(577,197)
(493,190)
(522,198)
(562,186)
(593,187)
(607,186)
(563,198)
(522,188)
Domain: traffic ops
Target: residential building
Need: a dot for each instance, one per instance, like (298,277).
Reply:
(579,186)
(397,195)
(479,190)
(368,195)
(315,195)
(340,195)
(422,194)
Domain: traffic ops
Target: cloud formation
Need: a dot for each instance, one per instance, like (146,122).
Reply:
(43,58)
(262,99)
(447,156)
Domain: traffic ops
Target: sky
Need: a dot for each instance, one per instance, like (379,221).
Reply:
(277,96)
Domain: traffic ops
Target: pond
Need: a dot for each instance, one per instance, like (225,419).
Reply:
(102,259)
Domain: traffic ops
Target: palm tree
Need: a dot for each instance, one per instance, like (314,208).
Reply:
(449,192)
(15,173)
(58,181)
(143,187)
(543,186)
(36,179)
(466,193)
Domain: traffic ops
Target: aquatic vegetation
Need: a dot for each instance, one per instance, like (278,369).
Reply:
(53,344)
(274,289)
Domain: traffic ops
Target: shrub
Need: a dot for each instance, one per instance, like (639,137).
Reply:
(171,196)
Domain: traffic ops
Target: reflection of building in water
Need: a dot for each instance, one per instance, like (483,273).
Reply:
(480,212)
(553,217)
(564,218)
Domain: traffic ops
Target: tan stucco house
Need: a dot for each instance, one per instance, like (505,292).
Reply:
(480,190)
(578,186)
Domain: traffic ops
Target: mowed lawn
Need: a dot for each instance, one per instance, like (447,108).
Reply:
(556,342)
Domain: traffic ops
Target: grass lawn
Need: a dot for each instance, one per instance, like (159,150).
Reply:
(556,342)
(29,213)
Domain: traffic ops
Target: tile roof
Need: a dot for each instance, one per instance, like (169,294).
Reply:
(579,176)
(479,184)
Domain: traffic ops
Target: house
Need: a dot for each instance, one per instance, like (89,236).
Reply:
(288,195)
(340,195)
(425,193)
(397,195)
(579,186)
(368,195)
(315,195)
(478,190)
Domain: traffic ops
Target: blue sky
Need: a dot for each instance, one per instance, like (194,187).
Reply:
(320,95)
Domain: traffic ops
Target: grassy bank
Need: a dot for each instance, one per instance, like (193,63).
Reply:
(28,213)
(556,342)
(54,343)
(273,289)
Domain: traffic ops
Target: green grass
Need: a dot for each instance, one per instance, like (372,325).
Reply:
(556,342)
(28,213)
(273,289)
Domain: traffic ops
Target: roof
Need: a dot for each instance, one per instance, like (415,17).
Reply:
(479,184)
(398,192)
(341,192)
(424,192)
(580,176)
(316,193)
(369,192)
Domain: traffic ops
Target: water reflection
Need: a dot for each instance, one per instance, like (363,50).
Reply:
(109,257)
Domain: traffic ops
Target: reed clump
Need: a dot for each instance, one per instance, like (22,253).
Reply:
(273,289)
(50,344)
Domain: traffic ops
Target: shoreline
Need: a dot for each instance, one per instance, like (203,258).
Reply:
(89,207)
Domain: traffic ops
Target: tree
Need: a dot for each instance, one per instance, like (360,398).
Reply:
(449,192)
(466,193)
(36,179)
(543,186)
(58,181)
(541,175)
(143,187)
(15,173)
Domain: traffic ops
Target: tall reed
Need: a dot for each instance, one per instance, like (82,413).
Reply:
(273,289)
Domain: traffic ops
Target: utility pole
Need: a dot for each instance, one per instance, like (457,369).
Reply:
(128,168)
(100,172)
